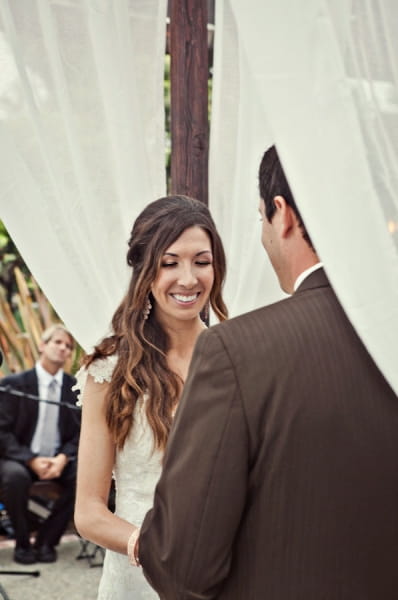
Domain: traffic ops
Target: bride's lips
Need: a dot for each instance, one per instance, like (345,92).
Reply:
(185,299)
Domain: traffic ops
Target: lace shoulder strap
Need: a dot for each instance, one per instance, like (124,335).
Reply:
(100,370)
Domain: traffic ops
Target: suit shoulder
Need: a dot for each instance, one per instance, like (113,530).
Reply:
(18,378)
(252,318)
(69,379)
(287,315)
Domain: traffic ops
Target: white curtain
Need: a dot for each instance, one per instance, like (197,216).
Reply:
(238,136)
(81,134)
(325,73)
(81,142)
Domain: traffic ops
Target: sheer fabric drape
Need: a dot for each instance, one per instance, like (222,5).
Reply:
(82,143)
(239,133)
(81,134)
(325,76)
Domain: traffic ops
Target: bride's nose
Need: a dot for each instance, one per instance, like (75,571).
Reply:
(187,277)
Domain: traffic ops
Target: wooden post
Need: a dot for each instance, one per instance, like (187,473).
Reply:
(189,98)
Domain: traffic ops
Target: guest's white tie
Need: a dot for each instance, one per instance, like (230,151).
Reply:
(49,433)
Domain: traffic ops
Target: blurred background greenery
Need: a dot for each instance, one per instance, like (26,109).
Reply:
(25,312)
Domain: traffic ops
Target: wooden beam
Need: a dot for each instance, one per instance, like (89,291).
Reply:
(189,98)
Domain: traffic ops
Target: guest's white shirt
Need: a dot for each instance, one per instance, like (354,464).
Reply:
(305,274)
(44,379)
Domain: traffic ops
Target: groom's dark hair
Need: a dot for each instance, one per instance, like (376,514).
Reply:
(273,182)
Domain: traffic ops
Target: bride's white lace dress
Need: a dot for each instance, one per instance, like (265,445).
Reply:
(136,472)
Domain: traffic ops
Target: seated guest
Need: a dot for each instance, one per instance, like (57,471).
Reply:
(38,441)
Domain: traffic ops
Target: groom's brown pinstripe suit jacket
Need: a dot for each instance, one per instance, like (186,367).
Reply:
(280,481)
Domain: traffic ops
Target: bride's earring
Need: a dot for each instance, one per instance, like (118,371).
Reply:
(147,309)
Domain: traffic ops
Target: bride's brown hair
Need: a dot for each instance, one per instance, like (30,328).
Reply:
(141,344)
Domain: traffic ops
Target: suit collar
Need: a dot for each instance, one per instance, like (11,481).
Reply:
(316,279)
(30,378)
(305,274)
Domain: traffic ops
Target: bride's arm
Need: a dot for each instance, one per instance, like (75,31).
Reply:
(93,519)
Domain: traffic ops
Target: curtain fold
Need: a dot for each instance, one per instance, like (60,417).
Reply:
(325,74)
(82,143)
(239,133)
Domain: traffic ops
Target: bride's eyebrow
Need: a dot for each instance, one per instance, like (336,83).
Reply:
(197,254)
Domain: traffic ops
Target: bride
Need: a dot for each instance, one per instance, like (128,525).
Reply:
(131,383)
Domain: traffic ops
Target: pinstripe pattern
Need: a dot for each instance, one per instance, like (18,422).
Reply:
(281,476)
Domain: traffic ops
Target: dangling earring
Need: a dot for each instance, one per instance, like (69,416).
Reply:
(147,309)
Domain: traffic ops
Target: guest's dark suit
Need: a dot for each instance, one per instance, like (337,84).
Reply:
(18,419)
(280,481)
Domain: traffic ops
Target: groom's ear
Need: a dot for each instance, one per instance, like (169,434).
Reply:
(285,217)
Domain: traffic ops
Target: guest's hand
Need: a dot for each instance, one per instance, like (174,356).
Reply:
(39,465)
(56,465)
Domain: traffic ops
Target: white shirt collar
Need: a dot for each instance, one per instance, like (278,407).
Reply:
(45,377)
(305,274)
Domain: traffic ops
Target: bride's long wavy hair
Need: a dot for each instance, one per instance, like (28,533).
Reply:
(141,344)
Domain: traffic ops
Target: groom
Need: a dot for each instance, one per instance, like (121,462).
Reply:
(280,480)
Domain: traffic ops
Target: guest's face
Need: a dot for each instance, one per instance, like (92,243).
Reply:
(185,278)
(57,350)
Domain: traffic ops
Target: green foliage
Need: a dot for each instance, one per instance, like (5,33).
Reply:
(10,258)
